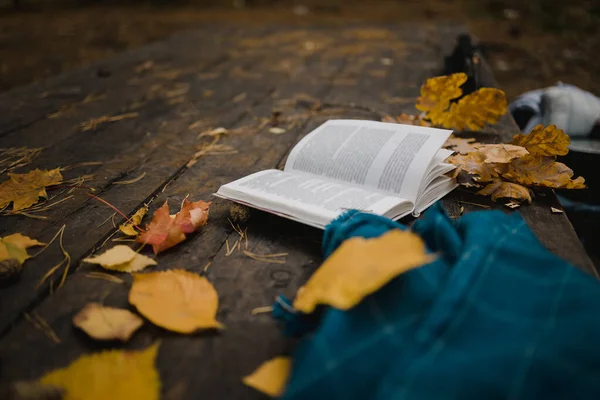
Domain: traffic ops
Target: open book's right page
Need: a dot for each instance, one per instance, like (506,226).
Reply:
(386,157)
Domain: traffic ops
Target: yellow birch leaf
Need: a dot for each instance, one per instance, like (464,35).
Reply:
(472,112)
(542,171)
(177,300)
(544,141)
(24,190)
(501,153)
(360,267)
(121,258)
(270,377)
(113,375)
(474,164)
(436,94)
(107,323)
(15,247)
(128,228)
(500,189)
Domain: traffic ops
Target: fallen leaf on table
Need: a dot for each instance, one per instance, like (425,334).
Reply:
(165,231)
(121,258)
(544,141)
(15,247)
(114,375)
(461,145)
(270,377)
(542,171)
(107,323)
(24,190)
(360,267)
(556,210)
(501,153)
(128,227)
(474,164)
(501,189)
(406,119)
(177,300)
(486,105)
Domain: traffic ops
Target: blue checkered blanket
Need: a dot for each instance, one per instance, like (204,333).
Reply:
(497,316)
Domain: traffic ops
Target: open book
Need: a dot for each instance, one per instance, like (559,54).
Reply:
(383,168)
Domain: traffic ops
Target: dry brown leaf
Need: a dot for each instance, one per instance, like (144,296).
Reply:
(548,141)
(461,145)
(360,267)
(166,231)
(121,258)
(24,190)
(136,219)
(501,153)
(500,190)
(114,375)
(177,300)
(542,171)
(270,377)
(107,323)
(474,164)
(407,119)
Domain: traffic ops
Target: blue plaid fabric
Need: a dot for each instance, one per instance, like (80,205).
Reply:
(495,317)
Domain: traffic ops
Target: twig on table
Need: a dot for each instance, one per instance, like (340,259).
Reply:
(105,276)
(268,258)
(40,324)
(262,310)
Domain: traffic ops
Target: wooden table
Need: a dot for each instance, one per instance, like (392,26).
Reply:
(178,88)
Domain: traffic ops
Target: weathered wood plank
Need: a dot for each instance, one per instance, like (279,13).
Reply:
(334,69)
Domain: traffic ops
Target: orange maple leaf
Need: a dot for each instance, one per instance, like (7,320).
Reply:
(544,141)
(499,189)
(165,231)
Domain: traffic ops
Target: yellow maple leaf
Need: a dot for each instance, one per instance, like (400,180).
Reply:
(136,219)
(177,300)
(121,258)
(114,375)
(542,171)
(107,323)
(270,377)
(500,189)
(501,153)
(24,190)
(15,247)
(360,267)
(486,105)
(474,164)
(544,141)
(436,94)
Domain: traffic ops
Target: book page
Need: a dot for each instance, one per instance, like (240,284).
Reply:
(386,157)
(307,198)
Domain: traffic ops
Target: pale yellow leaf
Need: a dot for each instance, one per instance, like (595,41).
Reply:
(472,112)
(436,94)
(501,153)
(544,141)
(15,247)
(360,267)
(461,145)
(500,190)
(270,377)
(109,375)
(121,258)
(177,300)
(107,323)
(128,227)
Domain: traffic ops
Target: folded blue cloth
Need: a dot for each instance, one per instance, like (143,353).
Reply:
(496,316)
